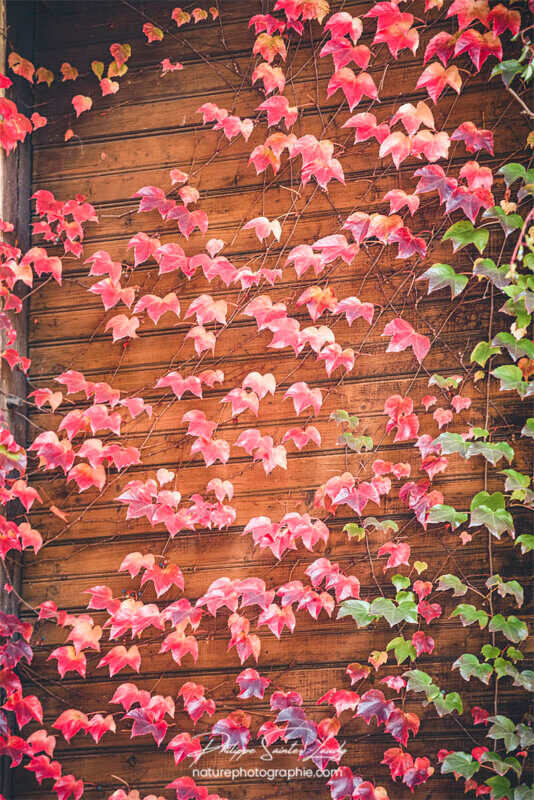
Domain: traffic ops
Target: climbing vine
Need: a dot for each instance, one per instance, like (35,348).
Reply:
(481,209)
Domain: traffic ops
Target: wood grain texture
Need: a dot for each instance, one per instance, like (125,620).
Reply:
(132,140)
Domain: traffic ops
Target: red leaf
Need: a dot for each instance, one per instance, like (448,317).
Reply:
(435,78)
(374,704)
(403,336)
(399,554)
(353,87)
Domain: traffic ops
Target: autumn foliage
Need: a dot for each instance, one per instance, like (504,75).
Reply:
(479,206)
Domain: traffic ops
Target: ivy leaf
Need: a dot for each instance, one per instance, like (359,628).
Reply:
(524,792)
(526,540)
(452,382)
(512,627)
(489,510)
(442,513)
(528,428)
(511,378)
(508,222)
(452,443)
(490,652)
(492,451)
(385,607)
(470,666)
(400,582)
(358,610)
(446,705)
(526,734)
(486,268)
(504,668)
(512,172)
(500,787)
(469,614)
(516,347)
(420,566)
(451,582)
(482,352)
(420,681)
(502,765)
(354,531)
(506,587)
(525,679)
(515,480)
(462,763)
(98,68)
(356,443)
(343,416)
(503,728)
(514,654)
(440,276)
(507,70)
(381,525)
(402,648)
(463,233)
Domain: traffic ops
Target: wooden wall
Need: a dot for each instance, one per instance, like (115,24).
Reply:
(131,141)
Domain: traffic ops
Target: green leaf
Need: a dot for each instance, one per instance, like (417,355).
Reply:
(403,612)
(98,68)
(486,268)
(489,651)
(528,428)
(506,587)
(451,582)
(340,416)
(356,443)
(452,382)
(441,276)
(462,763)
(500,788)
(400,582)
(420,681)
(482,352)
(492,451)
(381,525)
(358,610)
(511,379)
(507,70)
(452,443)
(446,705)
(508,222)
(524,792)
(514,653)
(513,628)
(515,480)
(354,531)
(489,510)
(114,71)
(502,765)
(504,668)
(469,614)
(525,679)
(526,540)
(441,513)
(470,666)
(526,735)
(512,172)
(516,347)
(402,648)
(463,233)
(503,728)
